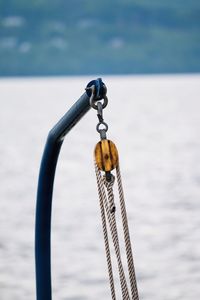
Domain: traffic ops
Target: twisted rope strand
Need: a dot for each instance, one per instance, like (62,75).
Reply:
(109,187)
(107,207)
(129,254)
(124,288)
(106,241)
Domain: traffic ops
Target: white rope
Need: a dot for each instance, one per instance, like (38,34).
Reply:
(107,207)
(101,193)
(114,236)
(129,254)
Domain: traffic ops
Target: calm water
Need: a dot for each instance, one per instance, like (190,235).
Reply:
(155,122)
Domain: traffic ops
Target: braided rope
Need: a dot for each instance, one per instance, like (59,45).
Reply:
(113,227)
(105,234)
(129,254)
(114,235)
(107,207)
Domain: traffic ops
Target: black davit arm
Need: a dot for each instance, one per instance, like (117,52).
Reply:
(45,186)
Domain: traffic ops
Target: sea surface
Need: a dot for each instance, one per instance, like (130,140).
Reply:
(155,123)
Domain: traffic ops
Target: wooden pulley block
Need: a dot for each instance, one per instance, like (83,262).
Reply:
(106,155)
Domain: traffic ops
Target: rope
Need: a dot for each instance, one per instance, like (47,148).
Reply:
(113,227)
(129,254)
(101,193)
(107,207)
(114,236)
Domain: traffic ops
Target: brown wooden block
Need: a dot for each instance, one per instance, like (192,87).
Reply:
(106,155)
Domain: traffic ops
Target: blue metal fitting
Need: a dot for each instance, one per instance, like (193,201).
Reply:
(100,89)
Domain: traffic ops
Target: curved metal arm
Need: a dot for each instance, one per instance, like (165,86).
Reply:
(45,191)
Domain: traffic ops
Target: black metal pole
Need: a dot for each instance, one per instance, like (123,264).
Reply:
(45,189)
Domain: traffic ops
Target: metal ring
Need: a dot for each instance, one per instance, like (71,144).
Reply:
(92,102)
(98,127)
